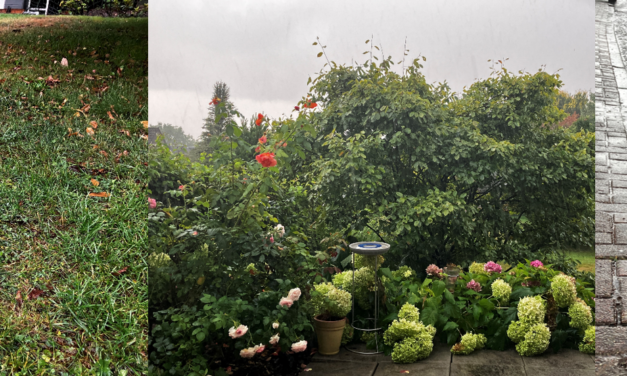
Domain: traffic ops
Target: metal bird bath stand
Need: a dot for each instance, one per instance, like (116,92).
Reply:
(369,249)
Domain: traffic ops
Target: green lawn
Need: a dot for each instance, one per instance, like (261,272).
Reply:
(73,280)
(585,256)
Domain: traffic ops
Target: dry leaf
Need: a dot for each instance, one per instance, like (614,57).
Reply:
(110,116)
(120,272)
(99,194)
(93,124)
(145,137)
(145,123)
(89,131)
(18,300)
(95,182)
(104,153)
(125,153)
(34,294)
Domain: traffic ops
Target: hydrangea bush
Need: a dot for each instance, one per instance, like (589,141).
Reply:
(411,339)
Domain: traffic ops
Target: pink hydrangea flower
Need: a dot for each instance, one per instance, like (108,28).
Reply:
(474,285)
(491,266)
(274,339)
(537,264)
(286,302)
(294,294)
(433,270)
(152,203)
(238,332)
(299,346)
(247,353)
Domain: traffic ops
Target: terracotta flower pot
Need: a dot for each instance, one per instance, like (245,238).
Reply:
(329,335)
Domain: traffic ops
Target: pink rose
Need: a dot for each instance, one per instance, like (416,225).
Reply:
(474,285)
(181,187)
(247,353)
(238,332)
(286,302)
(275,325)
(271,239)
(274,339)
(491,266)
(195,233)
(537,264)
(260,348)
(299,346)
(294,294)
(152,203)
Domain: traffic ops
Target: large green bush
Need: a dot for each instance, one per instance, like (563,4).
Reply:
(446,178)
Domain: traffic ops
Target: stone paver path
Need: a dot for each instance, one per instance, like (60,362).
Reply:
(442,363)
(611,187)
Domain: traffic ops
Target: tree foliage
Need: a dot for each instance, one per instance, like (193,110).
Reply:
(448,178)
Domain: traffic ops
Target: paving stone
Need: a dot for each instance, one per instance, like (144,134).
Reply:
(441,354)
(343,369)
(487,357)
(565,359)
(605,312)
(602,238)
(621,268)
(604,281)
(418,368)
(610,366)
(560,371)
(611,340)
(610,250)
(620,233)
(484,369)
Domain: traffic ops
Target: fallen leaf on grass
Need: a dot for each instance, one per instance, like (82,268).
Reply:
(120,272)
(34,294)
(143,136)
(95,182)
(89,131)
(104,153)
(99,194)
(145,123)
(93,124)
(125,132)
(18,300)
(110,116)
(64,62)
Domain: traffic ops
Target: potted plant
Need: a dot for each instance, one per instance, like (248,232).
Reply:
(330,305)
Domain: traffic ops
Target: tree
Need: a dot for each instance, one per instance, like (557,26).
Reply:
(452,179)
(219,116)
(176,138)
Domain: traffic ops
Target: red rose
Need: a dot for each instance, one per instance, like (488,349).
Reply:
(259,119)
(257,149)
(266,159)
(263,140)
(297,108)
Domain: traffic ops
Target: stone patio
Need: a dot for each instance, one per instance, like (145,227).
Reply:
(442,363)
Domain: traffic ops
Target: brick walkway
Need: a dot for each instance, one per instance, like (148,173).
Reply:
(611,193)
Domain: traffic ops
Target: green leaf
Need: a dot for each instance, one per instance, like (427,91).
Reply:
(438,288)
(450,326)
(200,336)
(319,54)
(520,293)
(486,304)
(426,281)
(429,316)
(386,272)
(451,337)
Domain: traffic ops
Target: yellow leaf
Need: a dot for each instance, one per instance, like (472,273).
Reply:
(95,182)
(99,194)
(201,280)
(145,123)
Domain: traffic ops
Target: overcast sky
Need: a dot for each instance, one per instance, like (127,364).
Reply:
(263,49)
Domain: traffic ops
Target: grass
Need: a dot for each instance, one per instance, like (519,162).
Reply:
(585,256)
(77,262)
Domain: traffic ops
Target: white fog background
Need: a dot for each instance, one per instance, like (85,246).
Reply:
(263,49)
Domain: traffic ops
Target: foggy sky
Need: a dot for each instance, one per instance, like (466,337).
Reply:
(263,49)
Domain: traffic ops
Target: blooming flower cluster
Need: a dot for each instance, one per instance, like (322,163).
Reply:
(563,290)
(530,333)
(589,341)
(291,297)
(473,285)
(409,312)
(531,309)
(340,298)
(299,346)
(364,285)
(537,264)
(362,261)
(434,271)
(580,315)
(412,348)
(251,351)
(492,267)
(404,271)
(476,268)
(152,203)
(266,159)
(280,230)
(501,290)
(469,343)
